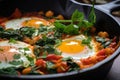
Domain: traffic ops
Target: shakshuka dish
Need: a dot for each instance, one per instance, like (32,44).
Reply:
(46,43)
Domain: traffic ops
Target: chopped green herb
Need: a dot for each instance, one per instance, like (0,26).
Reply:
(31,60)
(27,31)
(67,59)
(49,48)
(58,42)
(44,55)
(26,49)
(17,56)
(12,41)
(42,28)
(87,42)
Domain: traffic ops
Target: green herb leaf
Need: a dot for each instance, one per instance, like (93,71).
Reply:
(92,16)
(85,24)
(71,29)
(59,27)
(77,16)
(87,42)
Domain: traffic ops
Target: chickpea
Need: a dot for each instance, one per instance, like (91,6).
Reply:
(41,13)
(26,70)
(103,34)
(60,17)
(49,13)
(109,51)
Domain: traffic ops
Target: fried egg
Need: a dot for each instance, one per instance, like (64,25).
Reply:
(25,21)
(18,54)
(73,47)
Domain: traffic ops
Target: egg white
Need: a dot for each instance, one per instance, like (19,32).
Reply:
(15,23)
(20,49)
(18,23)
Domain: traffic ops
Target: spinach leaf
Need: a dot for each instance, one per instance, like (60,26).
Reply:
(42,28)
(46,40)
(14,62)
(27,31)
(50,67)
(10,33)
(1,28)
(49,48)
(9,71)
(73,66)
(37,50)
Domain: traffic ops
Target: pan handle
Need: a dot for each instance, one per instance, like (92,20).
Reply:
(109,6)
(103,7)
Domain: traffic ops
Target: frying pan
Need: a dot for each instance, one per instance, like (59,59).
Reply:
(104,22)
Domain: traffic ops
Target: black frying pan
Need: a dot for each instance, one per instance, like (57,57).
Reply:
(105,22)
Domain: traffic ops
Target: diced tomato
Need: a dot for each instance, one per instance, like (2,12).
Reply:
(41,63)
(51,57)
(101,52)
(113,44)
(16,14)
(100,58)
(86,61)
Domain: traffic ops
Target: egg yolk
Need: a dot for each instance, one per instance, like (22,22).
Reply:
(35,23)
(7,53)
(71,47)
